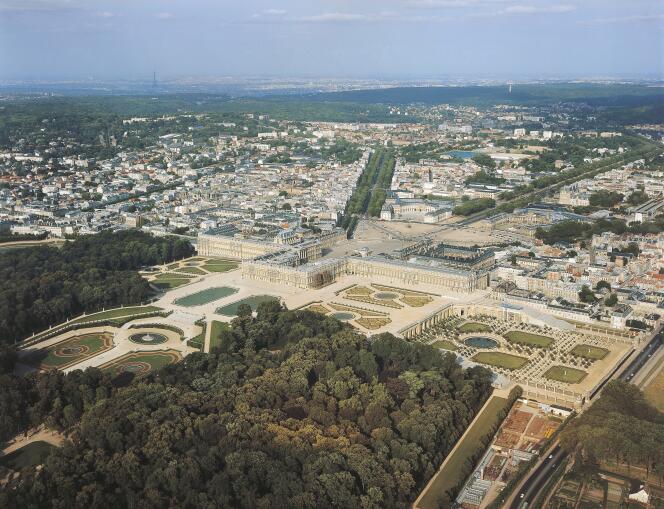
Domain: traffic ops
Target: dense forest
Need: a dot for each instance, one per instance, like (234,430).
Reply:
(621,426)
(44,286)
(333,419)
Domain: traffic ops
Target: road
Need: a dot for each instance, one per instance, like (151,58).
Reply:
(539,477)
(536,480)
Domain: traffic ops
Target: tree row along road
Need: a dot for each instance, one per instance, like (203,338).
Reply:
(537,479)
(509,205)
(371,189)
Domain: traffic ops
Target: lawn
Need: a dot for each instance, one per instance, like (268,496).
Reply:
(565,374)
(217,327)
(220,266)
(29,455)
(253,302)
(589,352)
(141,363)
(527,338)
(192,270)
(94,344)
(170,281)
(446,345)
(450,476)
(655,391)
(205,296)
(501,360)
(469,327)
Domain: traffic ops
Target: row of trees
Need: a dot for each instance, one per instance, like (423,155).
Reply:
(620,427)
(383,183)
(522,195)
(43,286)
(369,194)
(472,206)
(16,237)
(572,231)
(331,420)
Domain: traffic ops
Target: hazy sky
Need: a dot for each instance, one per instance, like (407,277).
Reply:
(55,39)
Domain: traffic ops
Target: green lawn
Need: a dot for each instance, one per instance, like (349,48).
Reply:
(253,302)
(450,476)
(156,360)
(169,281)
(474,327)
(589,352)
(565,374)
(217,327)
(192,270)
(220,266)
(445,344)
(94,342)
(527,338)
(29,455)
(205,296)
(501,360)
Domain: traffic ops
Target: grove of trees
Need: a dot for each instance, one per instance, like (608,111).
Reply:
(620,427)
(43,286)
(332,419)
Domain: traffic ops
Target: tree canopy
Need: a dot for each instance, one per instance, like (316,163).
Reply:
(621,426)
(43,286)
(332,419)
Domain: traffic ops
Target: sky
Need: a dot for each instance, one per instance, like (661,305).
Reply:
(370,39)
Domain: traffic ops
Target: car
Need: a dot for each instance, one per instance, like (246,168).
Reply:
(550,456)
(522,495)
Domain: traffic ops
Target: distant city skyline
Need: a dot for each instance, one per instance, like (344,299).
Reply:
(389,39)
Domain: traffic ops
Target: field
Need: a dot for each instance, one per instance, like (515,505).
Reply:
(446,345)
(565,374)
(501,360)
(655,391)
(527,338)
(71,351)
(474,327)
(589,352)
(29,455)
(205,296)
(449,477)
(141,363)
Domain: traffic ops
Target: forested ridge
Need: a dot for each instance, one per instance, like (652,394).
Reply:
(43,286)
(334,419)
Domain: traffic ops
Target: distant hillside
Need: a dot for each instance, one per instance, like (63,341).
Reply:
(594,94)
